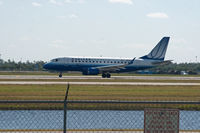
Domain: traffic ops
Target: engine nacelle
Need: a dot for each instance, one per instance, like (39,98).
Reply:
(91,71)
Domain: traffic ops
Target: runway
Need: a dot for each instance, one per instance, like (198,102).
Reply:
(61,82)
(98,77)
(96,83)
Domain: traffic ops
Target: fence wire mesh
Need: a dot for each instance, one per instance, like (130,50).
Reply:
(88,116)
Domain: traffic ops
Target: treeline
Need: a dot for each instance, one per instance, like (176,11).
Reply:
(21,66)
(173,68)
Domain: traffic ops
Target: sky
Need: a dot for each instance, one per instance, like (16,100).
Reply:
(44,29)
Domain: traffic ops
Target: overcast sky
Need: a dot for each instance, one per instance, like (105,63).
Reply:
(46,29)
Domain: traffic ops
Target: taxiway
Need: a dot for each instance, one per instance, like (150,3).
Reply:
(98,77)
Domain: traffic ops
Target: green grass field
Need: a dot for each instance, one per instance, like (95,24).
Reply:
(102,92)
(30,73)
(98,92)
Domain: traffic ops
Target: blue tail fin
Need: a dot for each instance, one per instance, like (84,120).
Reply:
(159,51)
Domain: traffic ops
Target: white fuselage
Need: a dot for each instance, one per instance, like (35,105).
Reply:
(83,63)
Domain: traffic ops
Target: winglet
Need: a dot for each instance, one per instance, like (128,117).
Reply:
(131,62)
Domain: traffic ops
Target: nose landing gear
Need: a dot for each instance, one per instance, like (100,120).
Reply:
(60,75)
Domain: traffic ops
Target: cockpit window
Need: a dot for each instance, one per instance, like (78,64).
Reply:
(54,60)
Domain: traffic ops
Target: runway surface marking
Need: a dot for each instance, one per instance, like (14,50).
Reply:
(97,77)
(96,83)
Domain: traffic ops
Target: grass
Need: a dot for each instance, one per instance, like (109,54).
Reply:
(97,92)
(36,73)
(100,92)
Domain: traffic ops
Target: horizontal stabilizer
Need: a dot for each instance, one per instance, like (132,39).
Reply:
(167,62)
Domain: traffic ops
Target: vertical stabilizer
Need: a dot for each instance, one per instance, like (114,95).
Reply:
(159,51)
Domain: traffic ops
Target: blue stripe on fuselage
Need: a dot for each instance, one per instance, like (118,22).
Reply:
(82,67)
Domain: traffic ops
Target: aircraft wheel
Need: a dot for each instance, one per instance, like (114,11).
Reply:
(60,75)
(108,75)
(104,75)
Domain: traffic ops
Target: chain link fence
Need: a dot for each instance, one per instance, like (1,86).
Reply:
(88,116)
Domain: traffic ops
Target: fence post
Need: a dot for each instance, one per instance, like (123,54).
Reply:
(65,110)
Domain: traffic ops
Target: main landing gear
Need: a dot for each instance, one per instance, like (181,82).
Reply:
(106,75)
(60,75)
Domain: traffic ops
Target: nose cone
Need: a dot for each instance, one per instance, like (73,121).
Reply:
(46,66)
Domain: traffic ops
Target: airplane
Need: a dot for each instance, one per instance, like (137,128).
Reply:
(105,66)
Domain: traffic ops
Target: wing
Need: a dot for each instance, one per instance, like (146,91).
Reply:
(113,68)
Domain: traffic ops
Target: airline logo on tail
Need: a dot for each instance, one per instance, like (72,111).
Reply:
(159,51)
